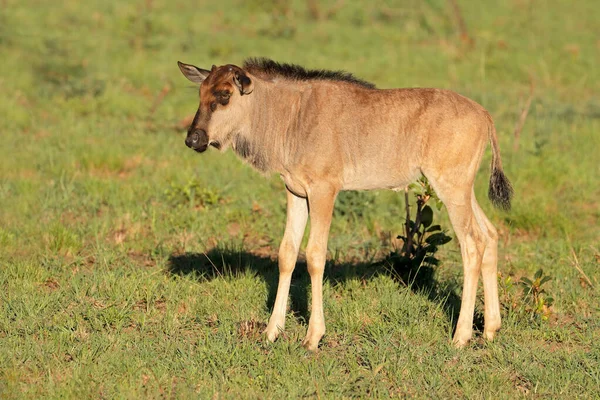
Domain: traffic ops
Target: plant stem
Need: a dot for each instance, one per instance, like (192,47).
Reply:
(408,243)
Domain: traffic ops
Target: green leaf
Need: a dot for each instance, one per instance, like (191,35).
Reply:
(431,260)
(434,228)
(526,281)
(545,279)
(439,238)
(426,216)
(431,248)
(538,274)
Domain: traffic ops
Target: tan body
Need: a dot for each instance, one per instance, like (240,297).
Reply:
(327,135)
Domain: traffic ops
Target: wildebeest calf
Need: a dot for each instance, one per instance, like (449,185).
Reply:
(326,131)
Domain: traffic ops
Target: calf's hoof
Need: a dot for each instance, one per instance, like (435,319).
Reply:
(460,340)
(310,345)
(490,329)
(312,339)
(272,332)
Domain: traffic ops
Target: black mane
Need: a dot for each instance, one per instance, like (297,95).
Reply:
(295,72)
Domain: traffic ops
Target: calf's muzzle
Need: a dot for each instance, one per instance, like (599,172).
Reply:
(197,140)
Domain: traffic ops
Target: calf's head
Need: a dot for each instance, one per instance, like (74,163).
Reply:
(223,105)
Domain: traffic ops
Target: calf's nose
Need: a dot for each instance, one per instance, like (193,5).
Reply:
(196,138)
(192,139)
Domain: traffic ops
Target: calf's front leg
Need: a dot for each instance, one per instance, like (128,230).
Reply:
(297,214)
(321,200)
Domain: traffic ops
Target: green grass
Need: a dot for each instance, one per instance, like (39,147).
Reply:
(133,267)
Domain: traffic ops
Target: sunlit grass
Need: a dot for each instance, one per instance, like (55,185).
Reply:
(130,267)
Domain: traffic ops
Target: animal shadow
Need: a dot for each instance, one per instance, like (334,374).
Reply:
(219,262)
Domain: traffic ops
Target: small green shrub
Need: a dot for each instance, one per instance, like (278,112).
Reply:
(537,300)
(532,303)
(192,194)
(421,238)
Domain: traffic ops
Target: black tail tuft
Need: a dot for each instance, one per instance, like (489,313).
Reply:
(500,191)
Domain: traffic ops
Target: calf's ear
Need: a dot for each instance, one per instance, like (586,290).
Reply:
(243,83)
(193,73)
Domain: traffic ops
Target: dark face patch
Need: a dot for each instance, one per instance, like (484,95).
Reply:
(211,98)
(215,93)
(222,97)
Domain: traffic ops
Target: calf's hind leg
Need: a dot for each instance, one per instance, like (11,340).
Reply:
(489,273)
(472,246)
(458,201)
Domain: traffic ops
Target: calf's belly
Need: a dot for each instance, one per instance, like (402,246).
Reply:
(382,177)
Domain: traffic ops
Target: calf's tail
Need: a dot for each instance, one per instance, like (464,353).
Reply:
(500,191)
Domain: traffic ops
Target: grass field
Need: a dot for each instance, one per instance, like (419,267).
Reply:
(132,267)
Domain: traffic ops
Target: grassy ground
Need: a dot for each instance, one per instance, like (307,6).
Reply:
(133,267)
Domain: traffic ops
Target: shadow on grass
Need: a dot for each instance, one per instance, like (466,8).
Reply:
(220,262)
